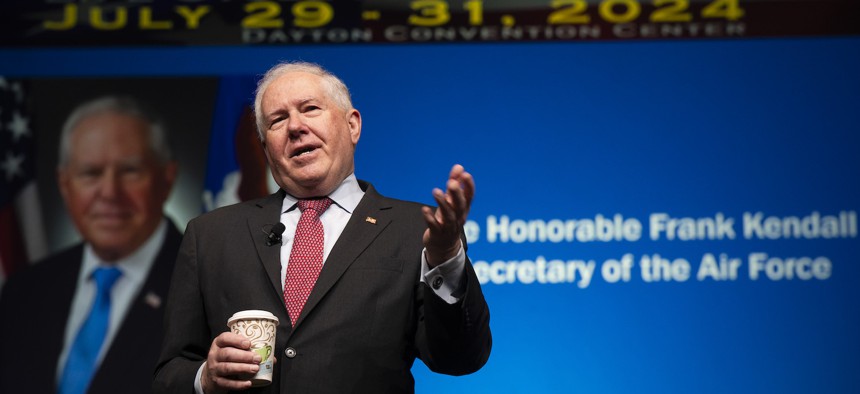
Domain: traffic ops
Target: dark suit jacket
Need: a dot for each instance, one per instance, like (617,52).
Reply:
(42,294)
(366,320)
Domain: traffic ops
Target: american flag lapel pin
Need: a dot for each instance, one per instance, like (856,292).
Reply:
(370,220)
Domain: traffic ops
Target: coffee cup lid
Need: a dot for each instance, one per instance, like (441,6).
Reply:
(252,314)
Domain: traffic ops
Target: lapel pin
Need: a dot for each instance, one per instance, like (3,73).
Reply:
(153,300)
(370,220)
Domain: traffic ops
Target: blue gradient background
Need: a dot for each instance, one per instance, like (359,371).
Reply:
(570,130)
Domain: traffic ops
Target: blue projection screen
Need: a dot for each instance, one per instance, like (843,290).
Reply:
(650,217)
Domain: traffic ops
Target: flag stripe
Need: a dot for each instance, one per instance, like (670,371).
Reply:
(28,207)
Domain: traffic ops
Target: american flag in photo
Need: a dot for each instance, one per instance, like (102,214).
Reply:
(21,230)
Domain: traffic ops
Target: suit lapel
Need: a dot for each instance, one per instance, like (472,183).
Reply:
(365,224)
(258,224)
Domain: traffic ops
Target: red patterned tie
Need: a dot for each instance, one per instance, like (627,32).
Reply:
(306,258)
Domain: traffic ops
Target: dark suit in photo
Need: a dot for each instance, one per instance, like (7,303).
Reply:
(36,303)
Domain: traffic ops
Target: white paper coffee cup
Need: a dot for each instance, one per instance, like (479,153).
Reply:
(260,328)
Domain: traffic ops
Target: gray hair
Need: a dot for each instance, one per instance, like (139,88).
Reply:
(123,105)
(336,89)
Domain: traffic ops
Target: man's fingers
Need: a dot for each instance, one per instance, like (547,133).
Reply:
(431,219)
(456,171)
(457,198)
(454,203)
(230,364)
(229,339)
(230,347)
(442,238)
(233,355)
(446,212)
(233,369)
(468,185)
(461,187)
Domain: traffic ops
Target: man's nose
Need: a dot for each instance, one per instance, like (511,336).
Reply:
(296,126)
(110,185)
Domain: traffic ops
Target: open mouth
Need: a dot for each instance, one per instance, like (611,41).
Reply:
(303,151)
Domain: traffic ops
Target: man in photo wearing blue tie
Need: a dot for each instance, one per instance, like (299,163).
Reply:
(361,284)
(88,319)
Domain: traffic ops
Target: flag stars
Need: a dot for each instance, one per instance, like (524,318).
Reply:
(19,92)
(12,165)
(18,126)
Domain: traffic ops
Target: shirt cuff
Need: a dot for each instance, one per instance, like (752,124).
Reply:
(446,278)
(198,387)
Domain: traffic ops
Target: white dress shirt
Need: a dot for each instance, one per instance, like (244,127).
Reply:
(134,268)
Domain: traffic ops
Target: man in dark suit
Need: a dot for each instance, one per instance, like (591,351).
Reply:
(395,283)
(115,174)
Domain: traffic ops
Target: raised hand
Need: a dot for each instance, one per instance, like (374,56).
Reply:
(444,225)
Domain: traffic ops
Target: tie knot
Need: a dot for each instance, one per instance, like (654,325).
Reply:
(316,204)
(105,277)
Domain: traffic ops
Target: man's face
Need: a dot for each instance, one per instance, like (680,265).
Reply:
(113,185)
(310,141)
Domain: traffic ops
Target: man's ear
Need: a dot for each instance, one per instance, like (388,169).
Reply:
(354,121)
